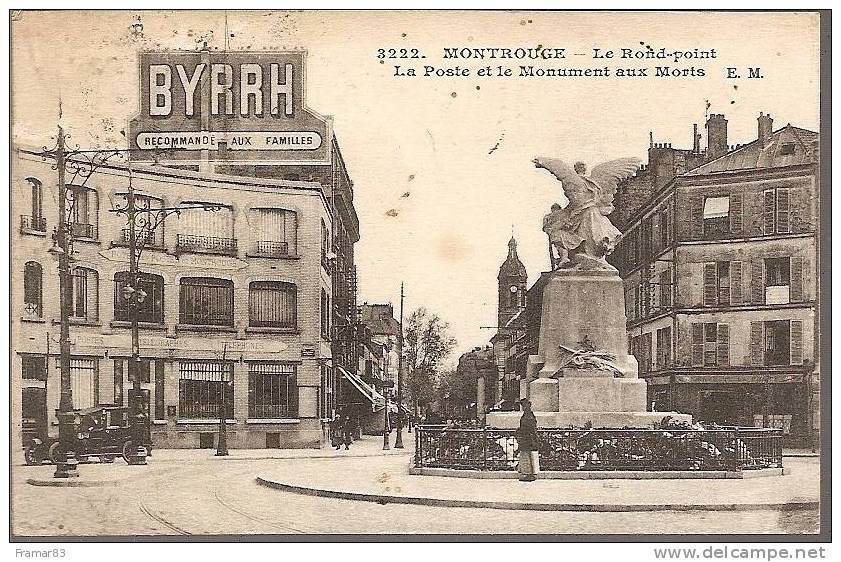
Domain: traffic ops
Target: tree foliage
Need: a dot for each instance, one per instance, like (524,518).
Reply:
(426,343)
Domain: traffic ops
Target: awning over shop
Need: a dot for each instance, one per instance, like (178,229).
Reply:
(368,391)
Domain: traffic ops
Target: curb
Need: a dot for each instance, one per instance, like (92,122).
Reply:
(282,458)
(604,475)
(70,483)
(525,506)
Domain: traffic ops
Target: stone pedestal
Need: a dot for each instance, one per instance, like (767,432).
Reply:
(584,310)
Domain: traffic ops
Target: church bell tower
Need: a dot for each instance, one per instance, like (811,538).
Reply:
(512,280)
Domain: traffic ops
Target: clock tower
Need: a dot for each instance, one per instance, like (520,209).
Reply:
(512,285)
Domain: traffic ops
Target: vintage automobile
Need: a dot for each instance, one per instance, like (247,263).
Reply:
(103,432)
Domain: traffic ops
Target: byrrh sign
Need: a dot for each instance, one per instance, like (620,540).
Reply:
(231,107)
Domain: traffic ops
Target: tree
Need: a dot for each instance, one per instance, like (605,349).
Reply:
(426,343)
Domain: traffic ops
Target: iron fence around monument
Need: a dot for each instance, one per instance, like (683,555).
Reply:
(729,449)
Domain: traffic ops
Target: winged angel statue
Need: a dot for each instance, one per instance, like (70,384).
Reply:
(581,232)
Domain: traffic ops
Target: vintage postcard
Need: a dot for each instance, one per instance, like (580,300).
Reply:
(385,275)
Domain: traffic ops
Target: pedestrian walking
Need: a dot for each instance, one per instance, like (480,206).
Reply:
(347,431)
(336,435)
(528,443)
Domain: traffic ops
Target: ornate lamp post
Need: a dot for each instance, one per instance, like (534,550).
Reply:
(143,221)
(398,442)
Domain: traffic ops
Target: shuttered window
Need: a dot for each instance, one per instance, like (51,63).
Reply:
(796,283)
(272,304)
(200,389)
(666,288)
(777,210)
(757,282)
(717,283)
(723,345)
(796,335)
(756,344)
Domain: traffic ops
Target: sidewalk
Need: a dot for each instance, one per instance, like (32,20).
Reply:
(387,480)
(102,474)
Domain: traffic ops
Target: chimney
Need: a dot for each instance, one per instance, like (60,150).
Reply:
(764,129)
(716,135)
(696,139)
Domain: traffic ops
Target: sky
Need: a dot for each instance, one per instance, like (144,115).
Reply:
(441,166)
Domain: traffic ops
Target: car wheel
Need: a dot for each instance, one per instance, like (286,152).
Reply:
(128,451)
(52,454)
(33,455)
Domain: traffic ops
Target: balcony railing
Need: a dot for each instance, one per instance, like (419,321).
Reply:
(206,244)
(271,248)
(148,239)
(33,224)
(731,449)
(82,230)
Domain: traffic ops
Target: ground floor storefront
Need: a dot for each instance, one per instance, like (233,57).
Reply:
(778,400)
(269,401)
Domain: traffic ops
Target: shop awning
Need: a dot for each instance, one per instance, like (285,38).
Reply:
(368,391)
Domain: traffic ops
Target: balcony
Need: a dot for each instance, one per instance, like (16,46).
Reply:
(82,230)
(271,249)
(32,224)
(206,244)
(147,239)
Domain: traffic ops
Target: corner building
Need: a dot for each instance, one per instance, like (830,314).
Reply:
(719,262)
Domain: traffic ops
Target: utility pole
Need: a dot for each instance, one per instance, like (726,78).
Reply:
(66,464)
(398,442)
(136,296)
(222,445)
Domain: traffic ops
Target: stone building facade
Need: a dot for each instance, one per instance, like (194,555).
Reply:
(719,266)
(242,297)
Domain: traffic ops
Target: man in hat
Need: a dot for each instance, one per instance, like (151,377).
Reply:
(527,443)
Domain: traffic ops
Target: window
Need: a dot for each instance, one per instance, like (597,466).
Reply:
(151,309)
(34,367)
(710,344)
(641,349)
(325,245)
(664,347)
(33,298)
(84,212)
(207,231)
(716,217)
(786,148)
(201,385)
(776,211)
(85,305)
(272,304)
(149,205)
(276,232)
(83,382)
(777,280)
(145,367)
(326,393)
(777,343)
(272,391)
(717,283)
(665,288)
(160,411)
(206,301)
(34,221)
(325,314)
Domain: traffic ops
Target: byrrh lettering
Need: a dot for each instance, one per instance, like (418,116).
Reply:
(225,98)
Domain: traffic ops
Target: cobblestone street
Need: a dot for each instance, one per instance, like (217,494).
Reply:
(190,492)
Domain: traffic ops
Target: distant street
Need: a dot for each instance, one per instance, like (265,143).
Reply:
(189,492)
